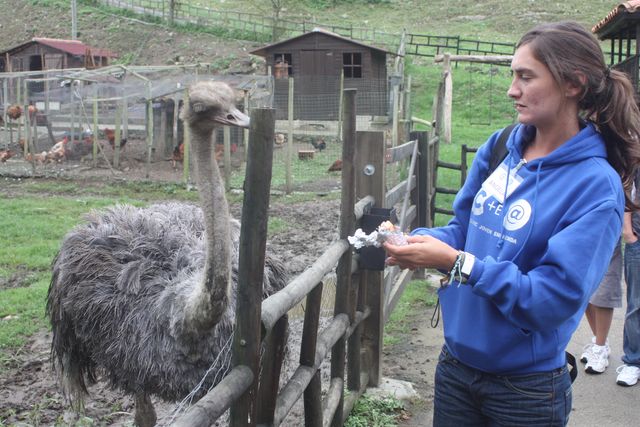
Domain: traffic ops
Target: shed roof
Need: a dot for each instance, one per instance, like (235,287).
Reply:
(72,47)
(622,19)
(263,50)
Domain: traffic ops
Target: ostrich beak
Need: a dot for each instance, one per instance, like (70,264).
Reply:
(233,117)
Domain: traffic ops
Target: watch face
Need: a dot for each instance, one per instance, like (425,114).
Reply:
(467,264)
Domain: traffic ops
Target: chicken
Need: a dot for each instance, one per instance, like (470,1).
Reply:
(178,155)
(111,137)
(77,149)
(39,158)
(14,112)
(279,139)
(54,157)
(5,155)
(58,152)
(336,166)
(318,144)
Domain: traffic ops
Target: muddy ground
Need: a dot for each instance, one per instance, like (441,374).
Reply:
(30,394)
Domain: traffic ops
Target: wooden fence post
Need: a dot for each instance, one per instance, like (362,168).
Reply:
(447,99)
(463,164)
(343,303)
(419,196)
(253,238)
(94,150)
(370,180)
(289,155)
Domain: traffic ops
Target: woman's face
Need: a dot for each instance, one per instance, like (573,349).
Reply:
(537,97)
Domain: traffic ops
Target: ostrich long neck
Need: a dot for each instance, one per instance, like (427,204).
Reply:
(208,303)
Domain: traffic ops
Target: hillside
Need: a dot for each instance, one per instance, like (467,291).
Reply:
(151,44)
(135,41)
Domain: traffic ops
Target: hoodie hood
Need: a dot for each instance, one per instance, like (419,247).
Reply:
(587,143)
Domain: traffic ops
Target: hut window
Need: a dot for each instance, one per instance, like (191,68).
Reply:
(352,65)
(282,65)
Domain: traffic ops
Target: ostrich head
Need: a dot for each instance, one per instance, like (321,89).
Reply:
(212,104)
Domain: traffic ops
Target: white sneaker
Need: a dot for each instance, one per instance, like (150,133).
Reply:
(627,375)
(587,349)
(598,359)
(586,352)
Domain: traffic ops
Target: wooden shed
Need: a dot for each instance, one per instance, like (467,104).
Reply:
(622,27)
(52,54)
(316,60)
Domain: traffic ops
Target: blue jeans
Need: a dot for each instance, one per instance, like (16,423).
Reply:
(631,338)
(465,396)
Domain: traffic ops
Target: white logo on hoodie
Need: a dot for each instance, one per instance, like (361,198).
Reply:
(518,215)
(478,202)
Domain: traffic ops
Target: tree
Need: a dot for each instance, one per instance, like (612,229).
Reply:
(276,7)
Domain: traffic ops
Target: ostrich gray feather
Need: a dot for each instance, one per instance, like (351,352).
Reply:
(119,283)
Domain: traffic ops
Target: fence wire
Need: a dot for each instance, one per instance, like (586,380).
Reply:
(86,111)
(139,107)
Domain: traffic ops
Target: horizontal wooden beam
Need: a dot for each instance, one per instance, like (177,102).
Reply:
(486,59)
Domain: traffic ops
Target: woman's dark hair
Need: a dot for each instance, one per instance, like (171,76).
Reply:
(573,55)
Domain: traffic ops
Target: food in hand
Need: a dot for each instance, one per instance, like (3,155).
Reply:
(386,232)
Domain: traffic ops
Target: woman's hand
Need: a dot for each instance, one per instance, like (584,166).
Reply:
(627,229)
(421,252)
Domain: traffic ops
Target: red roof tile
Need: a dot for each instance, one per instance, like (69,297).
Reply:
(629,7)
(73,47)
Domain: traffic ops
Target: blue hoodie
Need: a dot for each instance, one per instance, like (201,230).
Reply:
(539,256)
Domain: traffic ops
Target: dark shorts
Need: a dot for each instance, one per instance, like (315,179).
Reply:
(609,292)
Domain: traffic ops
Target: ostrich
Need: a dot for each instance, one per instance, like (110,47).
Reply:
(145,296)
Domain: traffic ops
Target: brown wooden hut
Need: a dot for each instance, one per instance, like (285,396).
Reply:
(622,27)
(316,61)
(51,54)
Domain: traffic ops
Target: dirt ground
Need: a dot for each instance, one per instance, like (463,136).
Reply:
(29,392)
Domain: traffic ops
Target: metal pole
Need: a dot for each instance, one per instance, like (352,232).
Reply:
(74,20)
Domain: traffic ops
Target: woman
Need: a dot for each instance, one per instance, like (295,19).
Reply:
(529,244)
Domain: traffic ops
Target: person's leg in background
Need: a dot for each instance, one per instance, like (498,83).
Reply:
(629,373)
(599,314)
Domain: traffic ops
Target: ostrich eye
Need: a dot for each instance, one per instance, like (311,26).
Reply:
(230,117)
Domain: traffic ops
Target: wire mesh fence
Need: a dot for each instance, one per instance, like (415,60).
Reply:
(123,122)
(117,121)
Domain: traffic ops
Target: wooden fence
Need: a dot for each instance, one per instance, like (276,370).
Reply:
(354,334)
(261,27)
(431,46)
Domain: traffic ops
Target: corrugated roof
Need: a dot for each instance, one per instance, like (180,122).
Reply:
(73,47)
(630,6)
(262,51)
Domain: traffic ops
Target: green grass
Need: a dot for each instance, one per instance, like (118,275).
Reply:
(33,227)
(491,20)
(417,293)
(373,412)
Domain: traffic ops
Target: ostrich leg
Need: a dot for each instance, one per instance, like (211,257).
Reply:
(145,414)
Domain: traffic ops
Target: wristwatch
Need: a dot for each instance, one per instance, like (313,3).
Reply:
(466,266)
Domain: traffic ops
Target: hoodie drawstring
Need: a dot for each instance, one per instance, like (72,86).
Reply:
(521,163)
(533,212)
